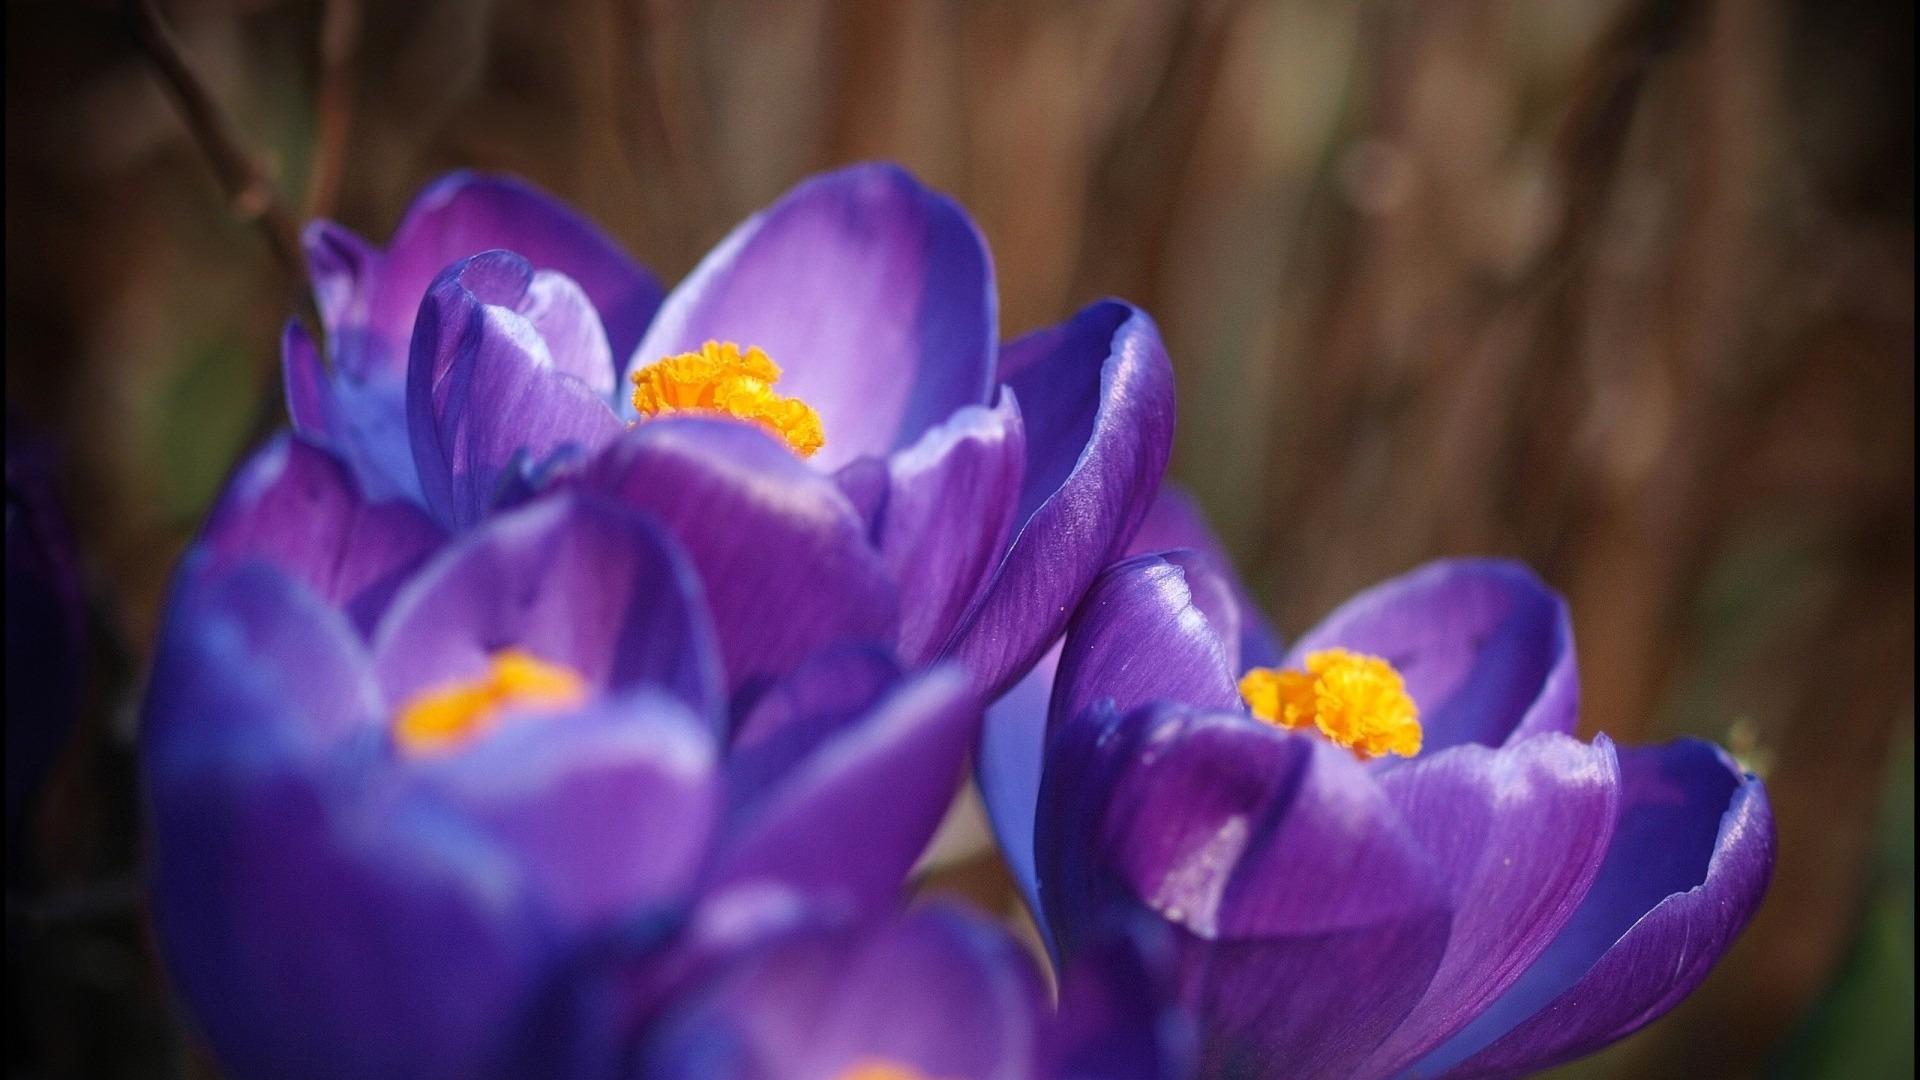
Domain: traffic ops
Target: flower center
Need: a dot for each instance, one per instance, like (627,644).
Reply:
(448,716)
(1356,700)
(722,379)
(872,1069)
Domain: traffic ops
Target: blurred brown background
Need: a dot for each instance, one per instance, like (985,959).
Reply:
(1624,288)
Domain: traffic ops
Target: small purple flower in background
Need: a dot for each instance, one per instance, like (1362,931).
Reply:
(1484,895)
(405,788)
(937,993)
(46,627)
(854,321)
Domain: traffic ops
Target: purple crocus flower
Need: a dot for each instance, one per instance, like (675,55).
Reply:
(1503,899)
(46,626)
(406,789)
(368,300)
(938,992)
(854,319)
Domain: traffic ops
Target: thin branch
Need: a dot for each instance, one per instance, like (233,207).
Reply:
(339,48)
(251,194)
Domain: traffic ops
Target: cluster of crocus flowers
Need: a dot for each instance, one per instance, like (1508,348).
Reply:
(500,341)
(572,692)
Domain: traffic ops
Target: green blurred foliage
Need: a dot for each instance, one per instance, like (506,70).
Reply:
(197,425)
(1863,1025)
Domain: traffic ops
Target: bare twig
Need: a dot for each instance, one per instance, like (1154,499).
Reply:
(251,194)
(339,47)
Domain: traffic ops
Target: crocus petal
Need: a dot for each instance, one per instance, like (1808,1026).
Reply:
(873,294)
(1117,1015)
(1307,918)
(571,579)
(1689,862)
(235,637)
(1014,735)
(294,507)
(939,991)
(1143,634)
(362,420)
(306,381)
(564,318)
(1097,397)
(310,939)
(1013,741)
(1333,924)
(949,510)
(1519,833)
(1176,521)
(1486,649)
(463,214)
(610,808)
(1149,630)
(783,558)
(805,708)
(848,823)
(306,934)
(342,267)
(483,386)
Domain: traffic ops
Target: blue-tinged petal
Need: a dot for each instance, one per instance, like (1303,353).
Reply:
(1096,395)
(571,579)
(1007,767)
(362,419)
(1118,1018)
(463,214)
(873,294)
(1689,862)
(610,808)
(783,557)
(236,637)
(806,707)
(367,428)
(1308,921)
(314,938)
(1152,628)
(293,506)
(939,991)
(310,932)
(948,512)
(847,824)
(483,385)
(1485,646)
(1519,833)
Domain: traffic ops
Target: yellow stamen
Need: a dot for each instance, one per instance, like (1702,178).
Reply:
(1357,701)
(721,378)
(872,1069)
(448,716)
